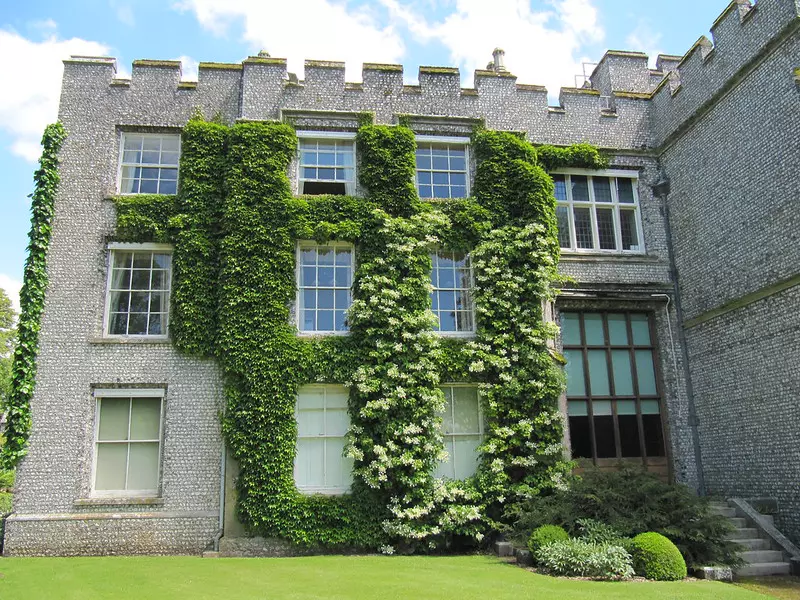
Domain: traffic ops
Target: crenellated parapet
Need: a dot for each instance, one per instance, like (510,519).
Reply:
(741,37)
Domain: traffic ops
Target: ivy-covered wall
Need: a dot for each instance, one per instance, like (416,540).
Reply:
(235,225)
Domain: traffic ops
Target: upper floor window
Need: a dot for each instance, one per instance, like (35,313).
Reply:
(613,398)
(325,276)
(137,301)
(127,442)
(598,213)
(322,422)
(327,163)
(462,430)
(451,298)
(149,163)
(442,167)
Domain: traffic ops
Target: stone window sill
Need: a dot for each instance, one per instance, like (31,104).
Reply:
(128,340)
(121,501)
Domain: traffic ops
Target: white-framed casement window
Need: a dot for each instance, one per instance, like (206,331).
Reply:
(598,211)
(324,281)
(327,163)
(322,422)
(451,298)
(462,430)
(149,163)
(138,293)
(442,167)
(127,442)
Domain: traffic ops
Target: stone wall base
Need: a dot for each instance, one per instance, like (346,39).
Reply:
(108,534)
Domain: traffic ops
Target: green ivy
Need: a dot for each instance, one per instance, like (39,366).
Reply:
(144,218)
(31,299)
(235,226)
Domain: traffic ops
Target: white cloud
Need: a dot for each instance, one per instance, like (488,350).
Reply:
(124,12)
(315,29)
(644,39)
(542,47)
(12,288)
(30,77)
(189,68)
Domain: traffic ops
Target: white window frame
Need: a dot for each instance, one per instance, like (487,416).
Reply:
(144,247)
(615,205)
(481,424)
(452,141)
(340,136)
(458,334)
(120,164)
(306,244)
(326,490)
(98,394)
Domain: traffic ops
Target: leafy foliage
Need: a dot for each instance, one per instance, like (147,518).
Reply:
(633,501)
(544,535)
(656,557)
(579,558)
(8,335)
(144,217)
(597,532)
(23,374)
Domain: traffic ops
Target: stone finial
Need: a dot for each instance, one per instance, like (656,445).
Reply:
(263,54)
(497,65)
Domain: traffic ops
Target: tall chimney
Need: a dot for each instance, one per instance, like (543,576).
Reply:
(499,54)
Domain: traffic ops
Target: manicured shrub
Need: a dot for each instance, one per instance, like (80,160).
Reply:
(655,557)
(544,535)
(578,558)
(633,501)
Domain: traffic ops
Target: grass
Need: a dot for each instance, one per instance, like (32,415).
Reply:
(782,588)
(323,577)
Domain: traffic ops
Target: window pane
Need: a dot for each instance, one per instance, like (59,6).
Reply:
(623,381)
(653,435)
(336,396)
(593,324)
(324,298)
(625,190)
(604,436)
(113,419)
(645,372)
(118,323)
(466,419)
(583,227)
(602,189)
(574,368)
(629,435)
(617,330)
(598,373)
(580,437)
(640,326)
(310,397)
(310,423)
(562,214)
(630,236)
(143,466)
(577,408)
(447,468)
(145,418)
(580,188)
(605,229)
(309,463)
(336,422)
(111,464)
(465,449)
(560,188)
(337,467)
(570,329)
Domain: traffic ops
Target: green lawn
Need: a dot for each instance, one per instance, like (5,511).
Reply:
(324,577)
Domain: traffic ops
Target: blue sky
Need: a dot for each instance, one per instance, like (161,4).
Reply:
(545,41)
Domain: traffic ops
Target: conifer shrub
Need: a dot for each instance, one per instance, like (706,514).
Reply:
(656,557)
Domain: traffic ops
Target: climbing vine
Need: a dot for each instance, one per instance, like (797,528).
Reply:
(235,225)
(31,300)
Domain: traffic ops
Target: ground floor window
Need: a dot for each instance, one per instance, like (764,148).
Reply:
(127,442)
(322,422)
(462,429)
(614,402)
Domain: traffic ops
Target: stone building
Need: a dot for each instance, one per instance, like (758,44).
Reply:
(681,327)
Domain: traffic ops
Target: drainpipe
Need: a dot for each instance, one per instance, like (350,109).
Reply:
(661,190)
(221,528)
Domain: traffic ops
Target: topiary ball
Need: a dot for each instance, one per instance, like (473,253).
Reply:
(546,534)
(656,557)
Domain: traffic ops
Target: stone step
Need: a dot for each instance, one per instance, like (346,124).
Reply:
(763,569)
(718,504)
(726,511)
(738,522)
(743,533)
(753,544)
(762,556)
